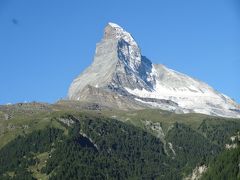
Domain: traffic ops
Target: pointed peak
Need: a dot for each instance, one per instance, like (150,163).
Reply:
(114,25)
(113,30)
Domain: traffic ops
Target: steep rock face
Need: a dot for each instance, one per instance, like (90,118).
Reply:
(119,70)
(117,63)
(107,98)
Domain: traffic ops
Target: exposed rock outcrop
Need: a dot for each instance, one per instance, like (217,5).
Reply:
(120,77)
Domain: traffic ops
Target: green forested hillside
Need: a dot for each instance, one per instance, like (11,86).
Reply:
(116,150)
(68,144)
(225,166)
(191,147)
(18,155)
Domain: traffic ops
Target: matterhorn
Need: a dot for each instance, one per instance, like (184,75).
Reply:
(121,77)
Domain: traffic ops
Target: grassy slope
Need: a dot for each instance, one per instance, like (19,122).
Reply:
(27,118)
(36,169)
(24,122)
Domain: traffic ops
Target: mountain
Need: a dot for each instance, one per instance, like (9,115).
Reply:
(121,77)
(93,136)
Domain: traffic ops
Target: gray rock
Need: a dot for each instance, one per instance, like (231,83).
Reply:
(120,77)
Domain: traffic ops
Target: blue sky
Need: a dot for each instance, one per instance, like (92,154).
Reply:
(45,44)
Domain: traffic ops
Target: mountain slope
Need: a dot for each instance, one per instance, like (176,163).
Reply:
(227,164)
(120,70)
(67,141)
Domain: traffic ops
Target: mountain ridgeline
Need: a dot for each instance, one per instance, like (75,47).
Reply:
(125,118)
(120,77)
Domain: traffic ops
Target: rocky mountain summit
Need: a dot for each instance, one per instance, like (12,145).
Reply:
(121,77)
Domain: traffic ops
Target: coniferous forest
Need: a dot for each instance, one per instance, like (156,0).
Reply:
(102,148)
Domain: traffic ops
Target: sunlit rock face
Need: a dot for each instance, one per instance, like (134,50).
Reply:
(122,78)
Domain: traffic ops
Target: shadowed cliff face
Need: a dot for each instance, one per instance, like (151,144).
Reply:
(121,77)
(117,64)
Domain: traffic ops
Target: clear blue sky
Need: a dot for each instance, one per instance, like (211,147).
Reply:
(45,44)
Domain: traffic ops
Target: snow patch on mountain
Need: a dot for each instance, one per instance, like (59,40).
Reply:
(120,70)
(190,94)
(158,105)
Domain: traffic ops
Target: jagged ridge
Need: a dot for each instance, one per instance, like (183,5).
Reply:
(120,71)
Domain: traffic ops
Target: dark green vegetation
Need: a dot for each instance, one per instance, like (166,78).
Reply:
(218,131)
(111,149)
(18,155)
(225,166)
(43,142)
(191,147)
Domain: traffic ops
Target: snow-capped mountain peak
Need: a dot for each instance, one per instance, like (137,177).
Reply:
(118,32)
(121,77)
(114,25)
(127,46)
